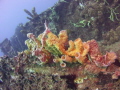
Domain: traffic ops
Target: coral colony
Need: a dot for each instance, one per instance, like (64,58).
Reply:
(54,61)
(49,48)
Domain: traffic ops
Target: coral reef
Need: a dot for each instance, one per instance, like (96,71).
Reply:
(78,50)
(49,49)
(48,44)
(87,19)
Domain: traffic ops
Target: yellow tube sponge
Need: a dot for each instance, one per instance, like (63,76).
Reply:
(67,58)
(58,42)
(71,46)
(51,39)
(75,47)
(81,59)
(82,56)
(63,37)
(78,49)
(86,49)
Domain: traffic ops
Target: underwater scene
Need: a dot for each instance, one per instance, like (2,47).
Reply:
(73,45)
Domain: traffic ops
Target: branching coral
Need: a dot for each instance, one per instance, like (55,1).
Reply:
(32,15)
